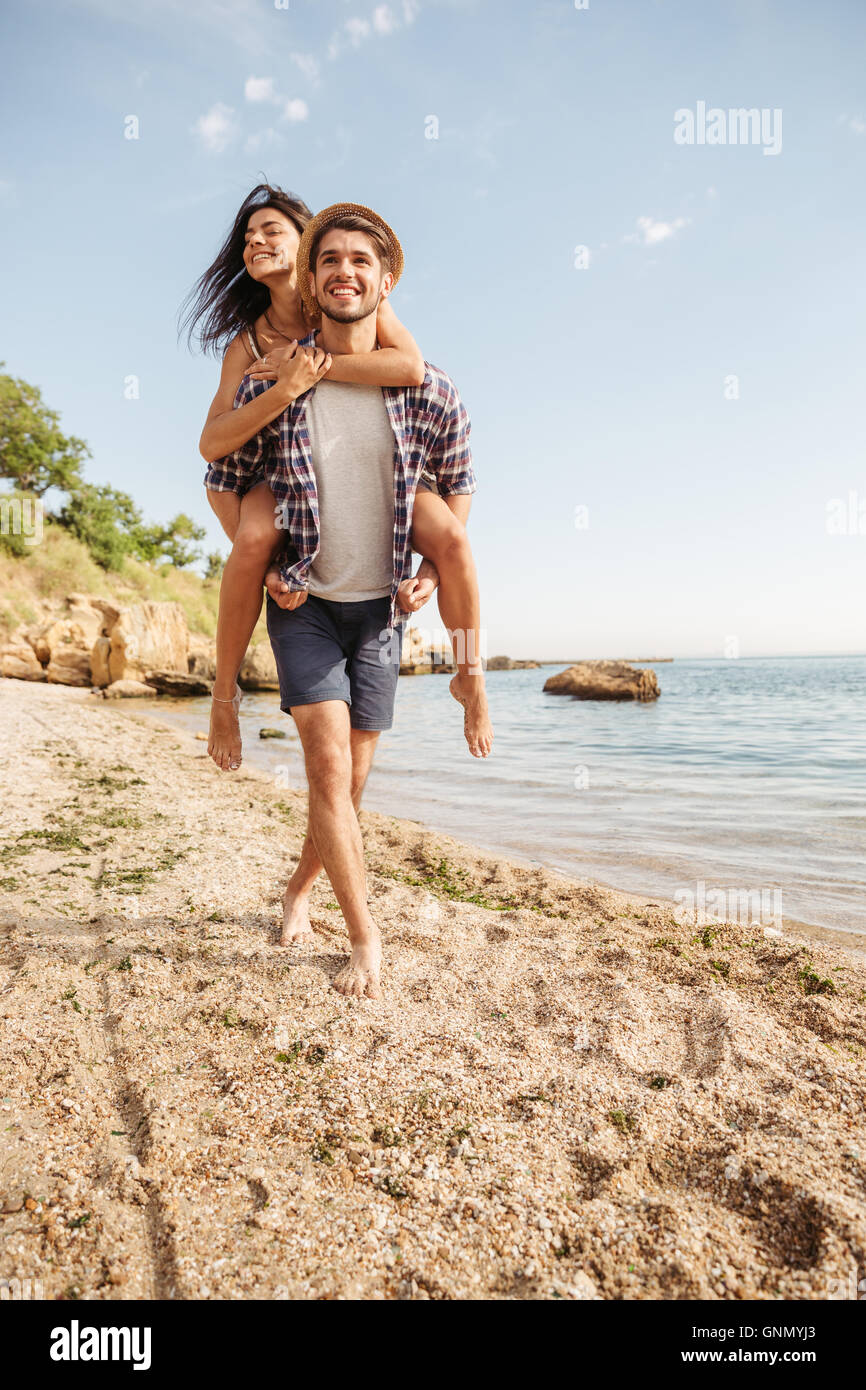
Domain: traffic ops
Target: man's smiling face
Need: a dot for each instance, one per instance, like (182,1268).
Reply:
(348,280)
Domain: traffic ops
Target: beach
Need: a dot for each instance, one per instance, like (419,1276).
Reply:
(565,1092)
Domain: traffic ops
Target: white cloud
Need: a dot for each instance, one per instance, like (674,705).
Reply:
(386,19)
(216,128)
(259,89)
(650,232)
(308,65)
(296,110)
(357,29)
(858,125)
(383,19)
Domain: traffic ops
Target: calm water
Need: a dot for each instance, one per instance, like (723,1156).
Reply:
(749,775)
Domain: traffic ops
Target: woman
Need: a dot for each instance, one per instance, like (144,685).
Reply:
(248,302)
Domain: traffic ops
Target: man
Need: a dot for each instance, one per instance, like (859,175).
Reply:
(344,462)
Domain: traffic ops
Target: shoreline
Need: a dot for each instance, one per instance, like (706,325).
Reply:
(564,1092)
(844,939)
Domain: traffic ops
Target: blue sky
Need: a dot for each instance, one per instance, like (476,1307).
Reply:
(604,386)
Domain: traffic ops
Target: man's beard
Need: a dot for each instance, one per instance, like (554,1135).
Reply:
(350,313)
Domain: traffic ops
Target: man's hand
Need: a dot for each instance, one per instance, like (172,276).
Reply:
(295,369)
(413,593)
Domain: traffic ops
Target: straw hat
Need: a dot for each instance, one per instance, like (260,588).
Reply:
(324,219)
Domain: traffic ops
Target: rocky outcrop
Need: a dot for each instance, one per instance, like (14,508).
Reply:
(509,663)
(177,683)
(148,637)
(420,656)
(259,669)
(100,675)
(605,680)
(63,645)
(201,657)
(126,690)
(18,661)
(96,642)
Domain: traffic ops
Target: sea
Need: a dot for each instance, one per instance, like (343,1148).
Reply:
(742,788)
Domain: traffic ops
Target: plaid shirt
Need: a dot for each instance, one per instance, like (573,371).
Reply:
(431,434)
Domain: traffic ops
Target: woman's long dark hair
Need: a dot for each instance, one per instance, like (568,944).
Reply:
(226,300)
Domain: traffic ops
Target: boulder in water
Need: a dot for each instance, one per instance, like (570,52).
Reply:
(605,680)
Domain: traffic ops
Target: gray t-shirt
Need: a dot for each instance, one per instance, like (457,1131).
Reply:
(353,460)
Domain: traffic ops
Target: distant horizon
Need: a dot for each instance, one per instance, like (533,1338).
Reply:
(648,660)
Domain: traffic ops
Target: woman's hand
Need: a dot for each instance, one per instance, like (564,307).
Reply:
(295,369)
(413,593)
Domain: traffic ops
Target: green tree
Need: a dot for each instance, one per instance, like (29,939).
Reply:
(105,520)
(172,544)
(34,453)
(214,565)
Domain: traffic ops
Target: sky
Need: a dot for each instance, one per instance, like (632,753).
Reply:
(659,339)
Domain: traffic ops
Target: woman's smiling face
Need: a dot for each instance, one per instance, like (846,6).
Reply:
(270,244)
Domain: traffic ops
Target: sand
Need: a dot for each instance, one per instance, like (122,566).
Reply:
(564,1092)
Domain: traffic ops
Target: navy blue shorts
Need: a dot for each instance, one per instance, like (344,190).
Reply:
(337,651)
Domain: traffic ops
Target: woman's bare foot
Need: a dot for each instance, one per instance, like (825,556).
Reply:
(471,693)
(296,920)
(359,977)
(224,738)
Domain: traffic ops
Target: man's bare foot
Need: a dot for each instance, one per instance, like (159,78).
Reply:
(471,693)
(224,737)
(296,920)
(359,977)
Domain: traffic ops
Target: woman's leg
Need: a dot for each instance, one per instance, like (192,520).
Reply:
(255,539)
(227,506)
(441,538)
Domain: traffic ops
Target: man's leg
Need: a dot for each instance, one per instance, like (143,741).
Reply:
(296,899)
(324,732)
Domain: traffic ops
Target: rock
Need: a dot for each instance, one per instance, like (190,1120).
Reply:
(604,680)
(201,736)
(149,637)
(201,658)
(420,656)
(63,645)
(508,663)
(582,1287)
(176,683)
(272,733)
(99,662)
(120,690)
(19,661)
(86,605)
(259,669)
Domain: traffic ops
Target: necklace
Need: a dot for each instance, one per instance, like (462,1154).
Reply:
(279,332)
